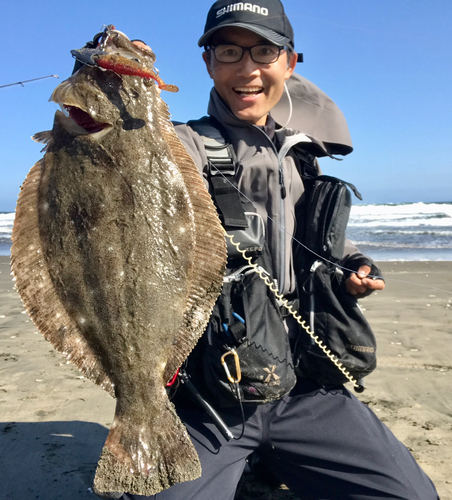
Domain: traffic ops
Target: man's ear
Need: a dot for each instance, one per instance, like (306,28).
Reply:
(207,60)
(291,65)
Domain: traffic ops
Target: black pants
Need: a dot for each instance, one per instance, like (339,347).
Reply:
(324,445)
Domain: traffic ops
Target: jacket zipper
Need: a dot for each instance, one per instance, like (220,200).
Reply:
(282,223)
(282,193)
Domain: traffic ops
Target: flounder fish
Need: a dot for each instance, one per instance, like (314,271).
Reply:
(118,255)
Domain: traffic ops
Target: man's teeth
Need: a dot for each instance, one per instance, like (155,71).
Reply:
(248,90)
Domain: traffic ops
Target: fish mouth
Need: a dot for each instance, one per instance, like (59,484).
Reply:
(85,120)
(77,120)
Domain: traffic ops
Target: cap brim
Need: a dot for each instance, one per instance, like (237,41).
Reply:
(266,33)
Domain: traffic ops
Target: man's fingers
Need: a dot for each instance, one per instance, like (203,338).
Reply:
(358,283)
(363,271)
(355,285)
(374,284)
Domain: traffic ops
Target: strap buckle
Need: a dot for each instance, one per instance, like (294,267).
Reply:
(221,160)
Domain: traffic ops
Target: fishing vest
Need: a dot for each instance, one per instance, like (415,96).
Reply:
(245,354)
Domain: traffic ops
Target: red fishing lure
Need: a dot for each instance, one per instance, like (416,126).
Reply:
(124,66)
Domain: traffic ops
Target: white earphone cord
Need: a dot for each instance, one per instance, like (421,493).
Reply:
(290,105)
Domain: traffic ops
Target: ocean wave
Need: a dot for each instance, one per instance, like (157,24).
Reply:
(402,223)
(418,207)
(404,244)
(412,232)
(402,216)
(413,214)
(6,216)
(6,223)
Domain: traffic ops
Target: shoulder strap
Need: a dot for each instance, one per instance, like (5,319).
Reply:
(218,148)
(305,162)
(222,169)
(308,170)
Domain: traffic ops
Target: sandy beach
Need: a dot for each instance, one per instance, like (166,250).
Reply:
(53,421)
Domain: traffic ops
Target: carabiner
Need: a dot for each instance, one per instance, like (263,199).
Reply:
(237,367)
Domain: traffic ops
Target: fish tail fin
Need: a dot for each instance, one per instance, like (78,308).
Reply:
(146,459)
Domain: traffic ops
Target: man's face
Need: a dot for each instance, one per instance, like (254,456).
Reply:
(250,89)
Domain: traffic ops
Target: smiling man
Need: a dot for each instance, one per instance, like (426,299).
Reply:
(315,437)
(248,72)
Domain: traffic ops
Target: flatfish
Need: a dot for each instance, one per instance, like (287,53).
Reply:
(118,255)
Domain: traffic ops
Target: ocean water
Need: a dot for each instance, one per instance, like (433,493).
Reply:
(403,232)
(6,228)
(406,231)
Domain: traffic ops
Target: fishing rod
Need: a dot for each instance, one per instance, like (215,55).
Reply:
(27,81)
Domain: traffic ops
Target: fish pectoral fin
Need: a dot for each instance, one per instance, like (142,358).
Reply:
(144,460)
(44,137)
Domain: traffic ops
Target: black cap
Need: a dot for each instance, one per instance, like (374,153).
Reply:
(265,17)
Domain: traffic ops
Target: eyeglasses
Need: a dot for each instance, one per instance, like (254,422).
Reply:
(262,54)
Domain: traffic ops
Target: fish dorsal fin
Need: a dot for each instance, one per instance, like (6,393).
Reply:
(208,267)
(34,284)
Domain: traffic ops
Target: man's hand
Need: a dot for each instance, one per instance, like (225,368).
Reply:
(358,283)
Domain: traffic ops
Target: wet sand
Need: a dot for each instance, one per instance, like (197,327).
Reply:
(53,422)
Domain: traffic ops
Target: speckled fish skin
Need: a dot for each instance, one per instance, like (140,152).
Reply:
(118,255)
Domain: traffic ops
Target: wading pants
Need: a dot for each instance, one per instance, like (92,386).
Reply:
(322,444)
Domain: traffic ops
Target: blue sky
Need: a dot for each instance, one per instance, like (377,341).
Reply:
(386,63)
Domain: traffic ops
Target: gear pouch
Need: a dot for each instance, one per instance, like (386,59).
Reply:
(247,328)
(337,320)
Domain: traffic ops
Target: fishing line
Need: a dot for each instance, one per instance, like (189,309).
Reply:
(420,284)
(335,264)
(293,237)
